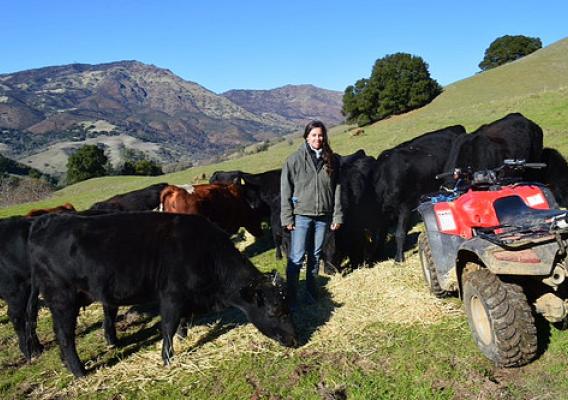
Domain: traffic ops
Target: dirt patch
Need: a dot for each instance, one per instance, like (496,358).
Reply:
(484,385)
(299,372)
(259,391)
(336,393)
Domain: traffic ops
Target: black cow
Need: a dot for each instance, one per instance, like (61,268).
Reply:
(15,284)
(511,137)
(555,175)
(144,199)
(403,174)
(183,262)
(267,188)
(15,280)
(360,214)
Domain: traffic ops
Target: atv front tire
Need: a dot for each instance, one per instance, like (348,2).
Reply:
(429,268)
(500,319)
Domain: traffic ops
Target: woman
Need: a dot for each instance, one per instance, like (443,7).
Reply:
(310,204)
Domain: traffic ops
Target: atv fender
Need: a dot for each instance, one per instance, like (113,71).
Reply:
(535,260)
(444,249)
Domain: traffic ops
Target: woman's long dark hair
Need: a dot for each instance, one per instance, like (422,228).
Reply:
(327,152)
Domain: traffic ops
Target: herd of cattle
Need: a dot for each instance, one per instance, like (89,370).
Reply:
(120,253)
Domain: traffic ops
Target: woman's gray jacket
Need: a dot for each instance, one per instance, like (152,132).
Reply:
(307,191)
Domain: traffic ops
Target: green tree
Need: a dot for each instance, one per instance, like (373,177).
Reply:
(87,162)
(127,168)
(508,48)
(147,167)
(136,162)
(398,83)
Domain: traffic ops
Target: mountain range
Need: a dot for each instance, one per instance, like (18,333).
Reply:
(46,113)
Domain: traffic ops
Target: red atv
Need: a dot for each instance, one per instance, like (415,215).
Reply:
(501,244)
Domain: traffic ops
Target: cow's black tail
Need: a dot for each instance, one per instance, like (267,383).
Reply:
(33,347)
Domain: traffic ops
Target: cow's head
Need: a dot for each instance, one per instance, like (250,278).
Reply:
(250,193)
(264,301)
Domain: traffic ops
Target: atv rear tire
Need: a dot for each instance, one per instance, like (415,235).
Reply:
(429,268)
(500,319)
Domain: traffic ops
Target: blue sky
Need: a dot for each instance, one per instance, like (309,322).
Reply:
(243,44)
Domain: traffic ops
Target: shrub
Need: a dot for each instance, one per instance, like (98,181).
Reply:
(508,48)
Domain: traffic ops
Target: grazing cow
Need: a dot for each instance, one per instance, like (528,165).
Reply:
(360,214)
(511,137)
(266,185)
(229,206)
(403,174)
(67,207)
(144,199)
(183,262)
(555,175)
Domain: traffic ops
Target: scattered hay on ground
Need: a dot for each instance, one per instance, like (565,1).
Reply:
(387,293)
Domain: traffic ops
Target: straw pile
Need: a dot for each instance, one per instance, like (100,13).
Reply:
(387,293)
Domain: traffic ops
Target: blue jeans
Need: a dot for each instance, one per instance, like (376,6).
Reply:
(307,239)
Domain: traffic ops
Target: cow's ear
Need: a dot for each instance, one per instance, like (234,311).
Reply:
(252,295)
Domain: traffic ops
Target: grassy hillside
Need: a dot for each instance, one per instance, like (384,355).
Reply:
(376,333)
(536,86)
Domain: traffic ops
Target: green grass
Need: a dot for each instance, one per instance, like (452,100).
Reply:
(390,361)
(382,359)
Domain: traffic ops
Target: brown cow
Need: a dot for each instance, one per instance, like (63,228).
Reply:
(67,207)
(224,205)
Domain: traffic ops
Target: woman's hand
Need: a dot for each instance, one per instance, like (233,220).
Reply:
(335,227)
(290,227)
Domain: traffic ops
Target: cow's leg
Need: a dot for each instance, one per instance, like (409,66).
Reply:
(182,329)
(109,322)
(330,266)
(401,229)
(170,315)
(286,241)
(378,244)
(356,248)
(65,312)
(276,229)
(17,314)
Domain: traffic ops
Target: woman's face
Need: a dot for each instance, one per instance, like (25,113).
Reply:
(315,138)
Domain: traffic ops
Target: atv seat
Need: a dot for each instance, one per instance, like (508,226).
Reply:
(512,211)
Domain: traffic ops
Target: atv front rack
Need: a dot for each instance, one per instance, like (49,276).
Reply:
(511,236)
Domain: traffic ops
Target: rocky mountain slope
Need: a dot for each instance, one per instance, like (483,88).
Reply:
(72,103)
(297,103)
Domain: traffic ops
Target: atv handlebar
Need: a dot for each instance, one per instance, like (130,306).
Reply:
(444,174)
(467,177)
(535,165)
